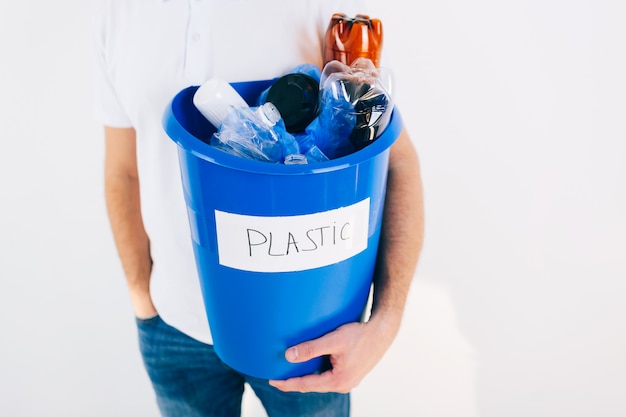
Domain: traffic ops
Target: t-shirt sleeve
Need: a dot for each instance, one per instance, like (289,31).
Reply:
(107,108)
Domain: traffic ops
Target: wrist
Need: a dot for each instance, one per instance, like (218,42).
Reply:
(142,301)
(387,320)
(143,306)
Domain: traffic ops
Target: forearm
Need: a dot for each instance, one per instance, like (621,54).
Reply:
(124,211)
(131,239)
(401,237)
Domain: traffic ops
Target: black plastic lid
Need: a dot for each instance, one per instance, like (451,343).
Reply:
(296,97)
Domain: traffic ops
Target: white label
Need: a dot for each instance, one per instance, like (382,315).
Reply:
(292,243)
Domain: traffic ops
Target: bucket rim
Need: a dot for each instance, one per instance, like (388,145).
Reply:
(200,149)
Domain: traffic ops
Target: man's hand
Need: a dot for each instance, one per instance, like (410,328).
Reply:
(142,304)
(354,350)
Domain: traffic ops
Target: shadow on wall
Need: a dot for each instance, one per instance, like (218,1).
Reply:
(430,369)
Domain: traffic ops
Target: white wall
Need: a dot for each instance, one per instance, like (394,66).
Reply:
(517,110)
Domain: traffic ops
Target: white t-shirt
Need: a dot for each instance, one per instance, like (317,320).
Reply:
(146,51)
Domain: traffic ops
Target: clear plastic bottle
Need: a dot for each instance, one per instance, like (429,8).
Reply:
(249,132)
(255,133)
(356,106)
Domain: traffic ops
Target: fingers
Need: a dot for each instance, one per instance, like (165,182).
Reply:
(325,382)
(311,349)
(345,373)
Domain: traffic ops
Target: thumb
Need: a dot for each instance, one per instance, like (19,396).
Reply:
(308,350)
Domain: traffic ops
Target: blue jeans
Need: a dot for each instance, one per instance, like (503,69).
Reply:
(191,381)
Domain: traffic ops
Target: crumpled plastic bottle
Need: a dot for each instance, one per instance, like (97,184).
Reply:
(255,133)
(250,132)
(355,106)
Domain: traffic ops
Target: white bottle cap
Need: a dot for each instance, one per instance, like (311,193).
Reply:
(215,98)
(270,113)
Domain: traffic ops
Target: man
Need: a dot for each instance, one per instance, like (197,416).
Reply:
(145,51)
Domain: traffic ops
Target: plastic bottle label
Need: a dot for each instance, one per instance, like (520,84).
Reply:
(292,243)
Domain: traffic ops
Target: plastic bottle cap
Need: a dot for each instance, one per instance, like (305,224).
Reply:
(295,159)
(270,113)
(296,97)
(215,99)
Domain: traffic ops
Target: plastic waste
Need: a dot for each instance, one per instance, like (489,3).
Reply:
(255,133)
(348,38)
(296,159)
(250,132)
(355,106)
(347,109)
(315,154)
(311,70)
(296,95)
(215,99)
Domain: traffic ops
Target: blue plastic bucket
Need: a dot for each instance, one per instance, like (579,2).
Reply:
(285,253)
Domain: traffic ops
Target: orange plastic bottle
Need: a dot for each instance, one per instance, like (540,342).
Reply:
(348,38)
